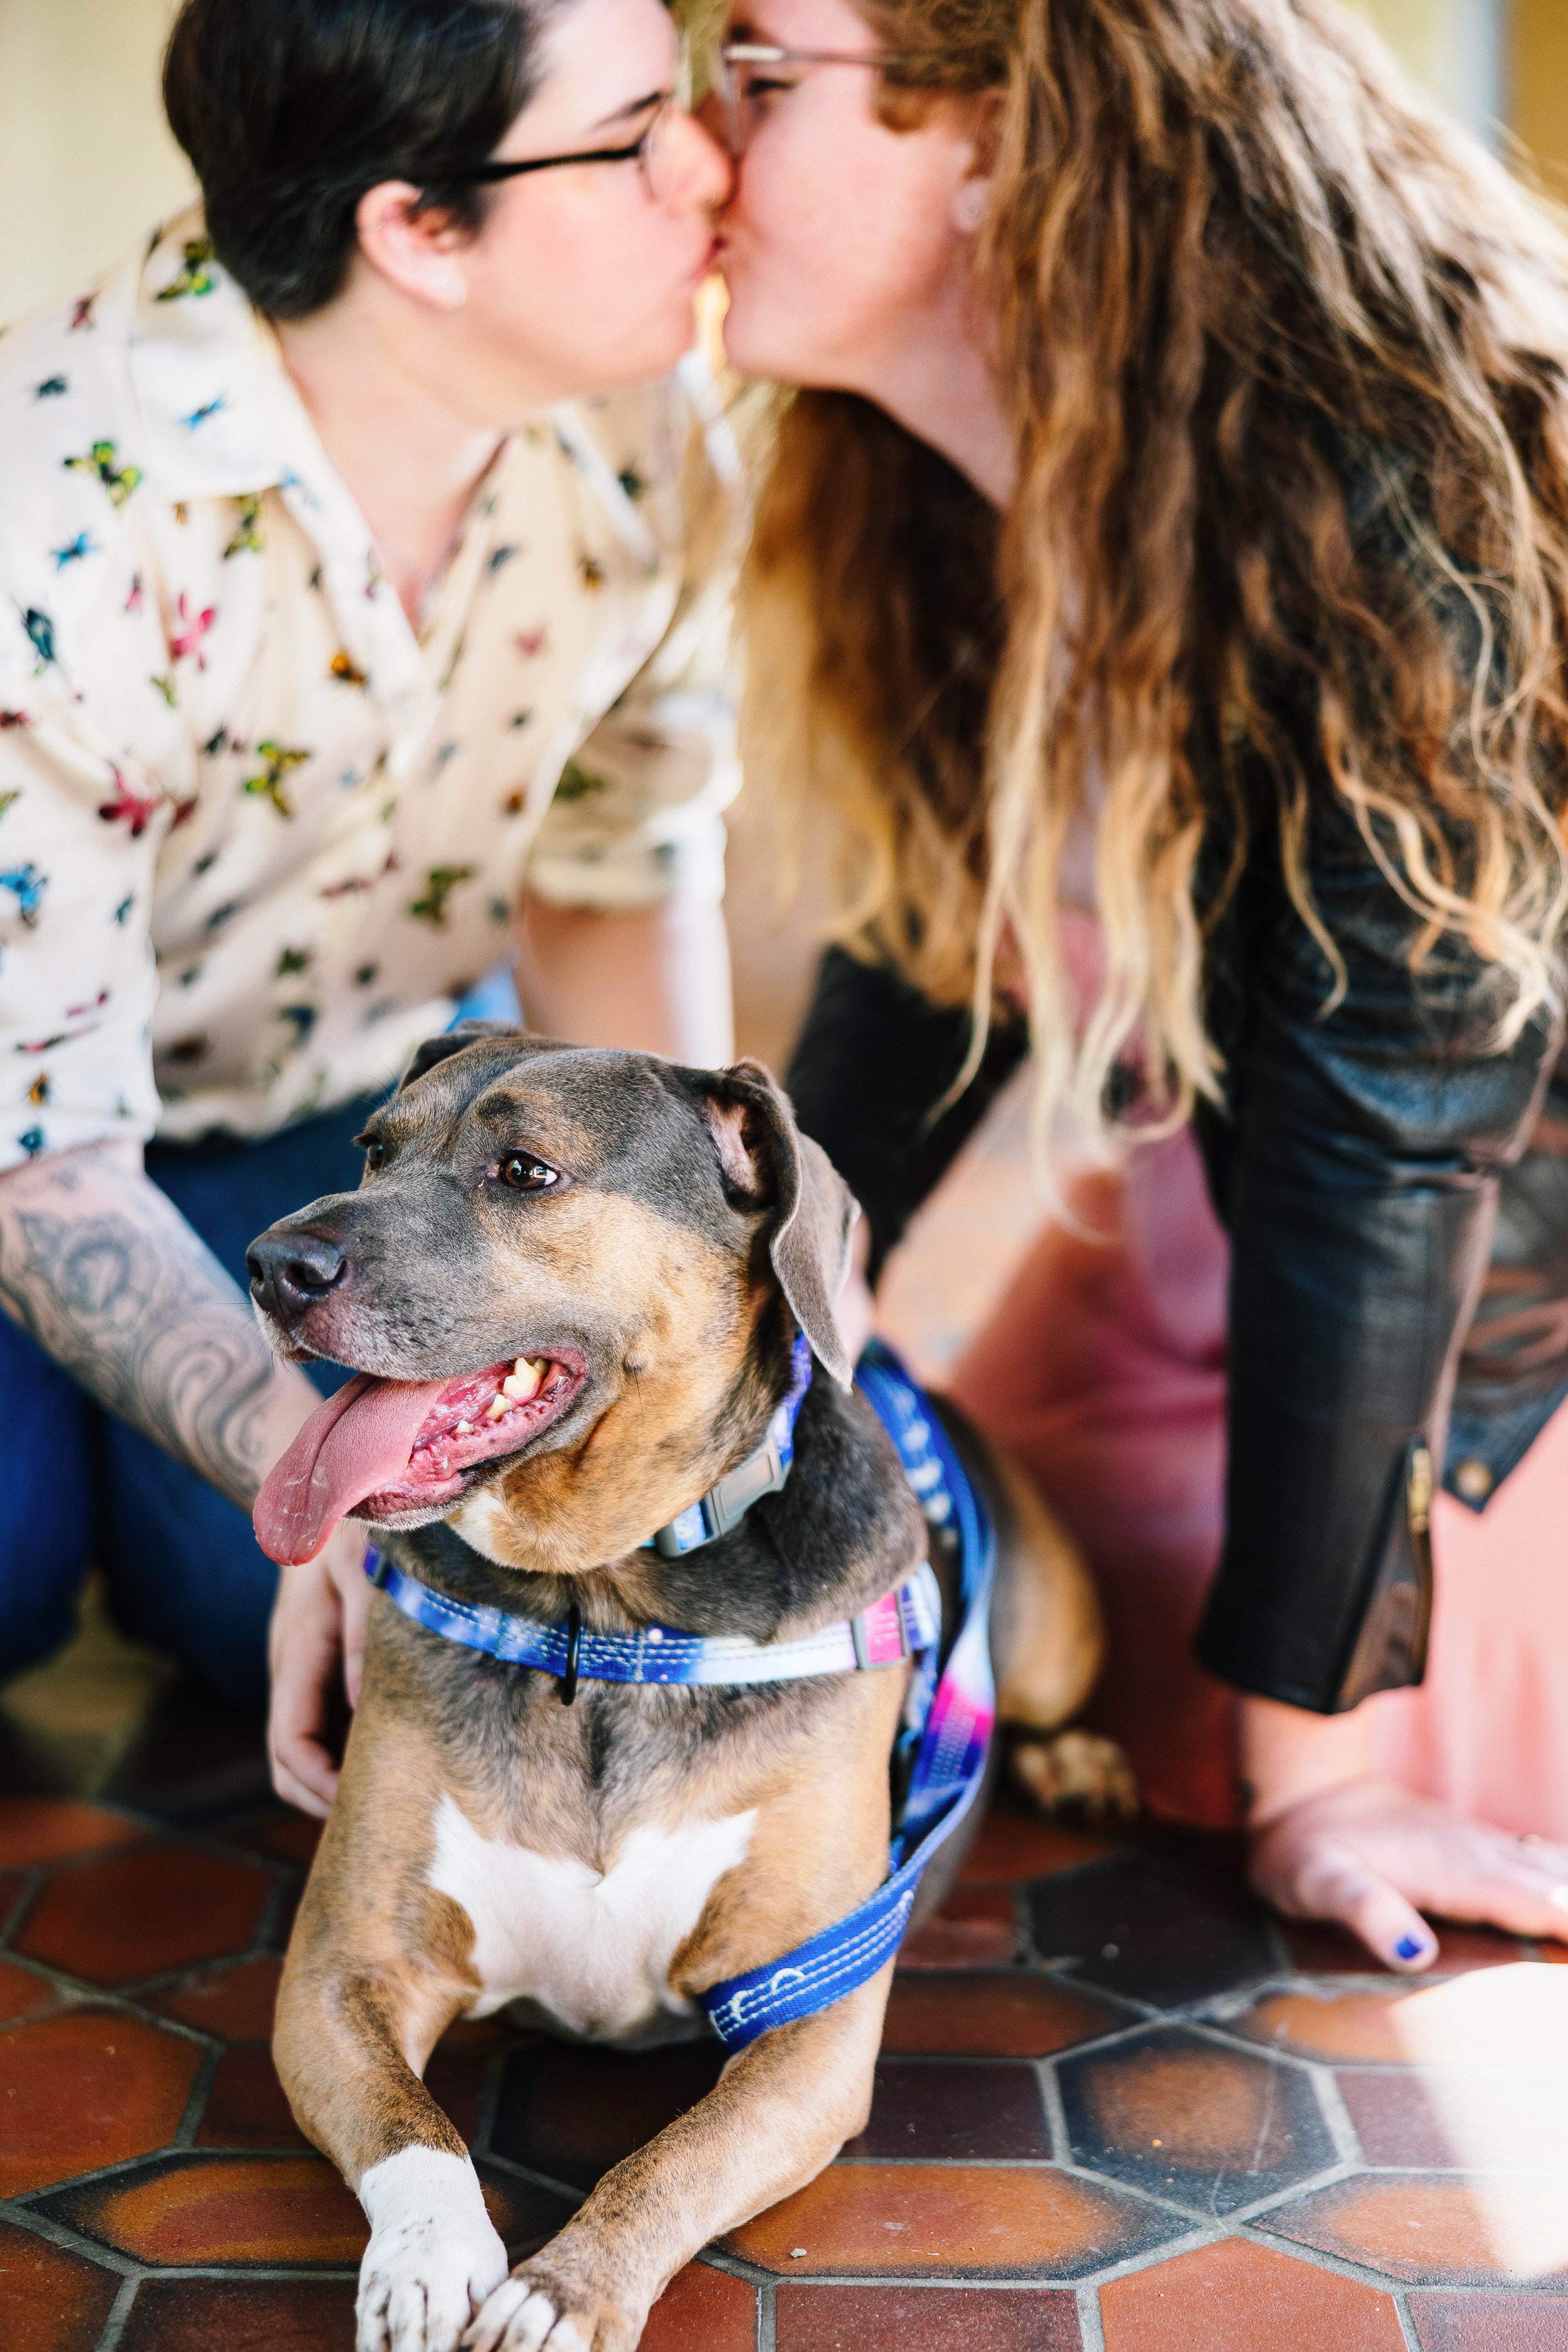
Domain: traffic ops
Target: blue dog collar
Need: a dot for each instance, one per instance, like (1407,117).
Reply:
(723,1506)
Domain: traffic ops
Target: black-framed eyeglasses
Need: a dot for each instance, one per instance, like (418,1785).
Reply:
(651,153)
(740,81)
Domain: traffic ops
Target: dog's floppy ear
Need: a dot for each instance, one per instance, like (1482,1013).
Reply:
(766,1162)
(452,1040)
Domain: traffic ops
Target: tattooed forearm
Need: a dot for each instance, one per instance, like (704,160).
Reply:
(103,1272)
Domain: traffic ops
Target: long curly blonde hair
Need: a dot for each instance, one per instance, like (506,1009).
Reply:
(1286,354)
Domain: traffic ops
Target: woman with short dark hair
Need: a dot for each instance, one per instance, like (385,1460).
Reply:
(366,552)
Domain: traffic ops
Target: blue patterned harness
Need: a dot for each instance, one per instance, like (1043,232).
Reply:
(948,1715)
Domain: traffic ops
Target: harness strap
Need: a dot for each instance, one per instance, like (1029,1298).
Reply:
(904,1621)
(948,1715)
(950,1764)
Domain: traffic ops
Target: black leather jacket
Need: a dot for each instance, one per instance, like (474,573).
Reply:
(1396,1194)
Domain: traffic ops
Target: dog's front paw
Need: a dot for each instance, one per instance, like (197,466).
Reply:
(546,2307)
(1075,1767)
(433,2257)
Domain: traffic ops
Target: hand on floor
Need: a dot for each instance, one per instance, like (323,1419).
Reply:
(1372,1855)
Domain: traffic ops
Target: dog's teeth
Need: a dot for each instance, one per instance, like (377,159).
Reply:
(465,1429)
(521,1383)
(539,1366)
(500,1408)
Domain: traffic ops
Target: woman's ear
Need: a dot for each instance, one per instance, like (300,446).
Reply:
(972,196)
(970,203)
(420,252)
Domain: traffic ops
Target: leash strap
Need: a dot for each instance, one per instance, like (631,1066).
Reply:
(954,1742)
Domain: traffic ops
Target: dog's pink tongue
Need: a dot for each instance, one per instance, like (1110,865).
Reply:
(358,1443)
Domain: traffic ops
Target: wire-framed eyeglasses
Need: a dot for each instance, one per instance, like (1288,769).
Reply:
(740,77)
(652,153)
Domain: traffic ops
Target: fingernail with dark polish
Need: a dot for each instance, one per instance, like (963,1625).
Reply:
(1410,1947)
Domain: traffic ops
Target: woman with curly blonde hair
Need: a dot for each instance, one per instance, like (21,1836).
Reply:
(1161,581)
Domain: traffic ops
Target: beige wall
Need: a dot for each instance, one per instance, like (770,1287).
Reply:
(1538,85)
(1456,49)
(86,164)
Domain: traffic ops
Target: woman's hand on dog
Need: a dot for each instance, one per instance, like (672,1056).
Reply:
(319,1621)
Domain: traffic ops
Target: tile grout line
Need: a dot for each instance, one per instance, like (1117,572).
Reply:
(1337,2115)
(77,1993)
(1407,2323)
(261,1945)
(537,2180)
(185,2134)
(490,2102)
(29,2200)
(72,2240)
(32,1877)
(1090,2325)
(716,2257)
(1318,2258)
(119,2312)
(1055,2113)
(767,2317)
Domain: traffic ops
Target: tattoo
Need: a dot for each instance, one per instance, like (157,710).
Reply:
(130,1302)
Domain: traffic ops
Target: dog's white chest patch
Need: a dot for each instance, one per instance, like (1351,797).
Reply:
(593,1947)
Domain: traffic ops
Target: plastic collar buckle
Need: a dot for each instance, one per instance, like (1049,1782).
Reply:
(878,1633)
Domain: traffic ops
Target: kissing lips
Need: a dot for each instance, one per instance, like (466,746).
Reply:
(396,1451)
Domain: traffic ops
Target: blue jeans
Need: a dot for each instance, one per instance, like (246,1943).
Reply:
(183,1570)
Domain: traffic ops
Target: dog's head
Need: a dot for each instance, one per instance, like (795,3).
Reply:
(569,1280)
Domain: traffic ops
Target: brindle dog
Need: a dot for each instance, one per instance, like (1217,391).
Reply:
(573,1279)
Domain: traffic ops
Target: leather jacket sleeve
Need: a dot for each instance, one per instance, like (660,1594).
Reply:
(1356,1165)
(1356,1162)
(867,1078)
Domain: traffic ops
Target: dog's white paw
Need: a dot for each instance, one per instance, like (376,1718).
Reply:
(434,2255)
(542,2308)
(1075,1767)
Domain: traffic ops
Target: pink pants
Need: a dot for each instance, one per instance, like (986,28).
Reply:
(1104,1371)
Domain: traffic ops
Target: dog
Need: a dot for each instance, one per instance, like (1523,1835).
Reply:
(575,1283)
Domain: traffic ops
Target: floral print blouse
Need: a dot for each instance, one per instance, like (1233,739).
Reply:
(257,833)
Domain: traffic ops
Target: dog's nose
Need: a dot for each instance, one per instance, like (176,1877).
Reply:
(290,1272)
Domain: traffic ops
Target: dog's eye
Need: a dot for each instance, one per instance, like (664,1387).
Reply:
(374,1156)
(526,1174)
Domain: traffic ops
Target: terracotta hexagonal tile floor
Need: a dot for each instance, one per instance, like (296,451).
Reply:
(993,2016)
(1474,2229)
(277,2316)
(1239,2298)
(1154,1928)
(86,2088)
(952,2221)
(924,2319)
(703,2310)
(48,1829)
(1489,2322)
(1206,2125)
(234,2003)
(134,1915)
(52,2299)
(1061,2123)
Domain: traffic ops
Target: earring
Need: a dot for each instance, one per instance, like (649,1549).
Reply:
(970,203)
